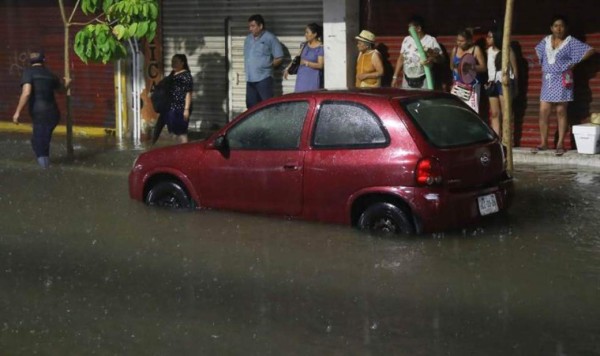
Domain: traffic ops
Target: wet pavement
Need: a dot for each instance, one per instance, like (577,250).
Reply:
(85,270)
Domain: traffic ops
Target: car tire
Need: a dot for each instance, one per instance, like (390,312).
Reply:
(169,194)
(385,218)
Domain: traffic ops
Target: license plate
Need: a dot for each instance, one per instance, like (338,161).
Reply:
(487,204)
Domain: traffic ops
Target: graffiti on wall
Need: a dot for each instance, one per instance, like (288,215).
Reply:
(17,62)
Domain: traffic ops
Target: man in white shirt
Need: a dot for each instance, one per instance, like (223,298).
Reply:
(409,62)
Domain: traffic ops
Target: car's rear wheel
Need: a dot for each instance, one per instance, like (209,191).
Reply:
(386,218)
(169,194)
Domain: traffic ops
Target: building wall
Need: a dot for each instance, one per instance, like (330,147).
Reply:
(30,25)
(389,20)
(390,17)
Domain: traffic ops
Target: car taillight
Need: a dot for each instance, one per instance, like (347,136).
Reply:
(428,172)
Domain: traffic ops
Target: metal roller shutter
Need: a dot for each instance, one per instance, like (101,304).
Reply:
(211,35)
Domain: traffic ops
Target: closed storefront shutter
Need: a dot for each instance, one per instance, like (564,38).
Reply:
(211,35)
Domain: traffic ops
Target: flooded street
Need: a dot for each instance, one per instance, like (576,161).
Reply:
(85,270)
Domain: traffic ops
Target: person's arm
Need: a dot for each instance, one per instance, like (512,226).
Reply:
(188,105)
(23,99)
(588,54)
(276,62)
(513,65)
(319,64)
(314,65)
(276,51)
(452,55)
(481,66)
(397,79)
(64,85)
(434,54)
(378,64)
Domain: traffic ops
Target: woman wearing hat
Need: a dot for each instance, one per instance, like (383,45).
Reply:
(369,66)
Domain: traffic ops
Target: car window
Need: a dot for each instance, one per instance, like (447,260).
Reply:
(347,124)
(445,122)
(276,127)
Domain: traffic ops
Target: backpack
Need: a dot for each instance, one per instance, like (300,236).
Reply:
(161,95)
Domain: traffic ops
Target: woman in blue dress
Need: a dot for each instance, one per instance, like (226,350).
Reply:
(558,54)
(310,72)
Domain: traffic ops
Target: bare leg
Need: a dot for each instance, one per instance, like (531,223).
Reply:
(182,138)
(545,109)
(561,114)
(495,115)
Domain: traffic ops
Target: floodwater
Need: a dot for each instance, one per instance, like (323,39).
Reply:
(84,270)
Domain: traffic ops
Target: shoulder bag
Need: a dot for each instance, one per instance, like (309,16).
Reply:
(293,68)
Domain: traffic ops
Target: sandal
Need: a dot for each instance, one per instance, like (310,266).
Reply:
(538,149)
(559,151)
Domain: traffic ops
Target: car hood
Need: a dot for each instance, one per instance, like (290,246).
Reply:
(176,156)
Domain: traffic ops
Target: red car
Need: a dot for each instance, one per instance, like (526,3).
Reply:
(382,159)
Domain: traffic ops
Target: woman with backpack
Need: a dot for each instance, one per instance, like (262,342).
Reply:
(176,113)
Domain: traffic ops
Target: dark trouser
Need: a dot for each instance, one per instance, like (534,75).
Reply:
(40,140)
(258,91)
(160,123)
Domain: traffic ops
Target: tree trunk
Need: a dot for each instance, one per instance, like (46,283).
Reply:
(507,119)
(69,120)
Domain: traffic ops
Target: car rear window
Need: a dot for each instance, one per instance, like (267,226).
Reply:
(445,122)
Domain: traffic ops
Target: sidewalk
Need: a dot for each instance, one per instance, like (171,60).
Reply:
(120,154)
(571,157)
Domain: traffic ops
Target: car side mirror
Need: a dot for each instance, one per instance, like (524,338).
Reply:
(222,145)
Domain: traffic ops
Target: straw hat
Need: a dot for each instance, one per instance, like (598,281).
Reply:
(366,36)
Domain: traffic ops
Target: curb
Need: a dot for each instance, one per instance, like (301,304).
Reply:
(571,157)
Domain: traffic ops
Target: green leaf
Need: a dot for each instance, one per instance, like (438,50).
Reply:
(121,50)
(106,4)
(84,7)
(119,31)
(153,11)
(141,29)
(132,29)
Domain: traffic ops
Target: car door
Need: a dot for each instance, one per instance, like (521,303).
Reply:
(348,153)
(261,168)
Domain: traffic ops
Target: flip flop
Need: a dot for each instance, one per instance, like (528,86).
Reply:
(538,149)
(559,151)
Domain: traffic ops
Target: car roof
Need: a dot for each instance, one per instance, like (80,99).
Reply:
(383,93)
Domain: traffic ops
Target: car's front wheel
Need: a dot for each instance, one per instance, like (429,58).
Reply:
(169,194)
(386,218)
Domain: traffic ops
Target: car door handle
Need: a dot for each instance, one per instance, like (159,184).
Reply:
(291,167)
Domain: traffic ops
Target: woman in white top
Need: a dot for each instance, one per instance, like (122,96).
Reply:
(494,85)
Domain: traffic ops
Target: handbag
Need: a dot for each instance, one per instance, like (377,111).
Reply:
(567,79)
(491,89)
(463,91)
(293,68)
(415,82)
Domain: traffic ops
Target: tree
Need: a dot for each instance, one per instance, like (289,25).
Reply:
(102,38)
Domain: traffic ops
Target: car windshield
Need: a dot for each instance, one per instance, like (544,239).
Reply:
(445,122)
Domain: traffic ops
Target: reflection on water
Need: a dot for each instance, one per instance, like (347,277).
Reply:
(85,270)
